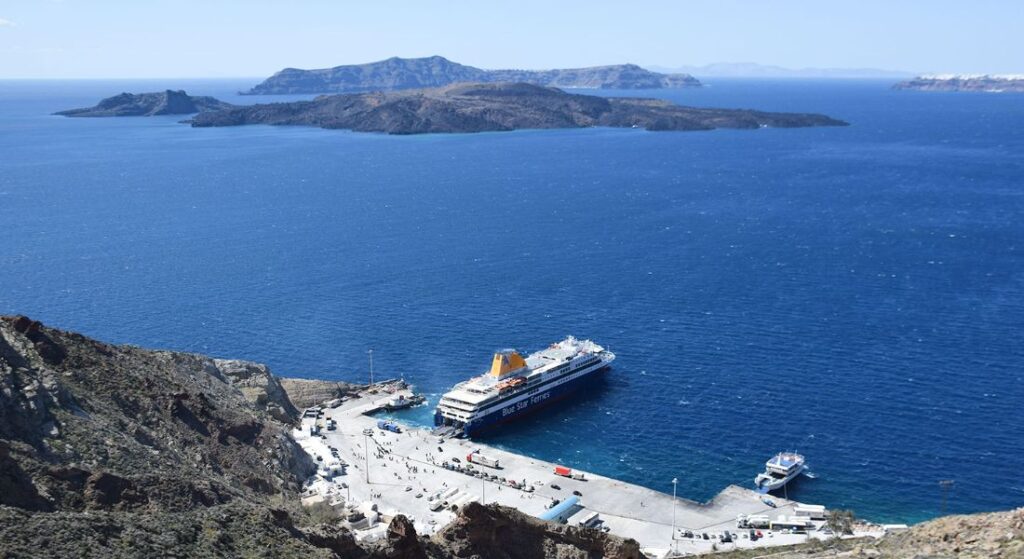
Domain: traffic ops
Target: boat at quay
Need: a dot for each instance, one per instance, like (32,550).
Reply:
(515,386)
(780,470)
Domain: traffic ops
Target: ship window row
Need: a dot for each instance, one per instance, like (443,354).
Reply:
(569,364)
(446,410)
(493,401)
(457,404)
(529,393)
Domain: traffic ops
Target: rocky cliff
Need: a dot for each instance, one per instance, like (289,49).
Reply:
(150,104)
(998,534)
(496,107)
(435,71)
(90,426)
(306,393)
(496,532)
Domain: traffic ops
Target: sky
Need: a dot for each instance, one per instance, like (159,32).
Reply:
(253,38)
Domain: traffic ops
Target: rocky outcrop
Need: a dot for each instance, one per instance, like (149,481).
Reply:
(999,534)
(497,107)
(260,387)
(150,104)
(237,529)
(496,532)
(90,426)
(396,74)
(306,393)
(988,83)
(338,541)
(402,541)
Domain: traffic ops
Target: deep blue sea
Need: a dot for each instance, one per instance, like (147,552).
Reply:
(856,294)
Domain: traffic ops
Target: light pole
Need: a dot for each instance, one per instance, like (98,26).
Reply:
(366,447)
(674,482)
(483,491)
(371,368)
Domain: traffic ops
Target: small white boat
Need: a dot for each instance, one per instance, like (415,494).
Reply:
(780,470)
(400,402)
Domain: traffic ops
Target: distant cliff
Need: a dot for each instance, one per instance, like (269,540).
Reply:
(990,83)
(754,70)
(413,73)
(496,107)
(150,104)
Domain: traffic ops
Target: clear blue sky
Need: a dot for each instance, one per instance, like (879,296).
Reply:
(218,38)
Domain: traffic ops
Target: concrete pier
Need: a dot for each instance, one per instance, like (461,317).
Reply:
(405,470)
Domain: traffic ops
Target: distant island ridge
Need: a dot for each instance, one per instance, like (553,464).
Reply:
(396,74)
(493,107)
(755,70)
(167,102)
(460,108)
(988,83)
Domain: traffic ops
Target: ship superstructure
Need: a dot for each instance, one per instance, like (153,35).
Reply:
(780,470)
(515,385)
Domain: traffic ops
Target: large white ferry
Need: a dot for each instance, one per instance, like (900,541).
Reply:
(515,386)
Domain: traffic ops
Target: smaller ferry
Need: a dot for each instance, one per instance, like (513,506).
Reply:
(400,402)
(780,470)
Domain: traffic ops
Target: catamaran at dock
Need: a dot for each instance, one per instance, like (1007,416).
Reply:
(780,470)
(515,386)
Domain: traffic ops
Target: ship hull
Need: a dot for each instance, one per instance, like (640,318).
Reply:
(518,410)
